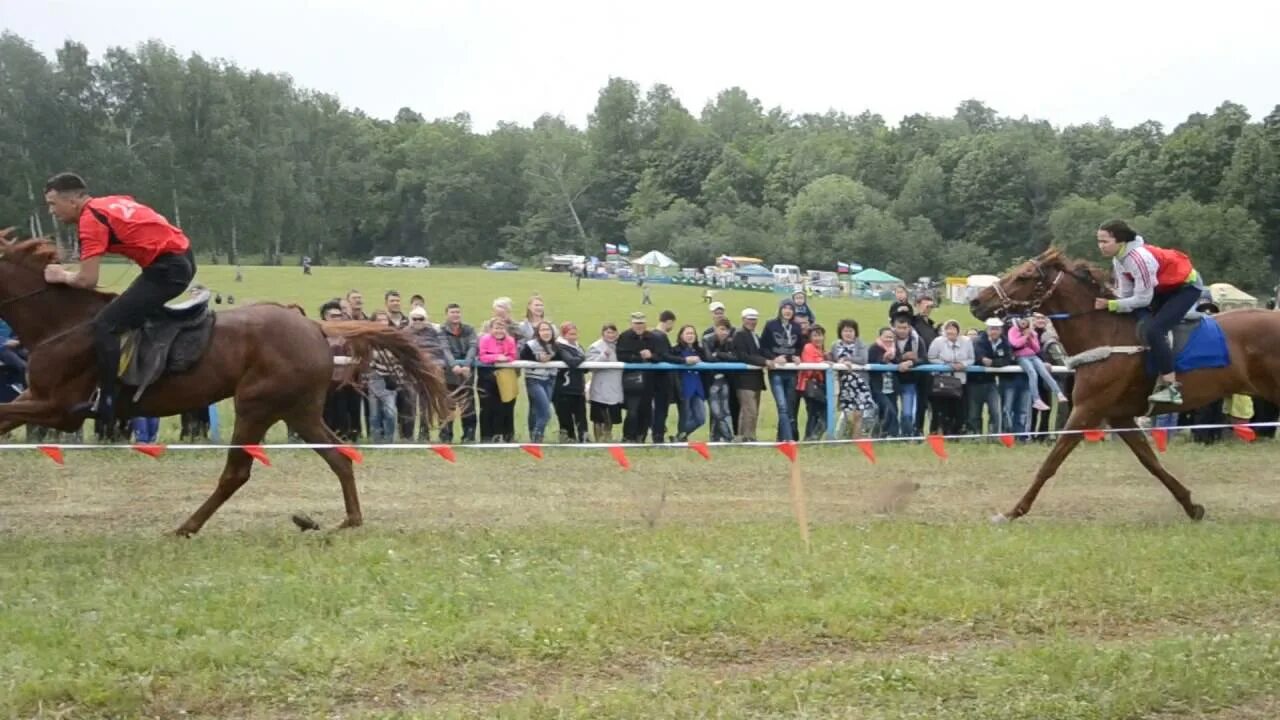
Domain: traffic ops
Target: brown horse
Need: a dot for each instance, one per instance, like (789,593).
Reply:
(272,360)
(1114,389)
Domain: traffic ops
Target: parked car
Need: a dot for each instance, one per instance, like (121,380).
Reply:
(417,261)
(502,265)
(379,261)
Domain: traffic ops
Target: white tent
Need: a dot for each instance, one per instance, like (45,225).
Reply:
(653,258)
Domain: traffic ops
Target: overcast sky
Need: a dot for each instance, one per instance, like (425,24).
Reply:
(1067,62)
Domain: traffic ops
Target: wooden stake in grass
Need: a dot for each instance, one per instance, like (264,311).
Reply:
(797,492)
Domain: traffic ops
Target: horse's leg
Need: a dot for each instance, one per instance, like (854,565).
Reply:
(1137,442)
(249,430)
(1081,417)
(309,425)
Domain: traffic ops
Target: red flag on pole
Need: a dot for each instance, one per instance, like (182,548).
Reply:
(352,453)
(1245,433)
(701,448)
(53,451)
(257,453)
(149,449)
(620,455)
(1006,440)
(867,448)
(1094,435)
(788,448)
(534,450)
(939,445)
(445,452)
(1161,436)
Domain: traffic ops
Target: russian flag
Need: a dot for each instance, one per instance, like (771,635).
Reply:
(610,249)
(842,267)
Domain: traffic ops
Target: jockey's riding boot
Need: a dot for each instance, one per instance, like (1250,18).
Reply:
(1168,394)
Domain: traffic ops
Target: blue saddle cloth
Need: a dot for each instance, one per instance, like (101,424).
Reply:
(1198,345)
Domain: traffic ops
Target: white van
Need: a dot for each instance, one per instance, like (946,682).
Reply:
(787,274)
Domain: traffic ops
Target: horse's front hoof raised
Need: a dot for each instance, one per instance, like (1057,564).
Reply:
(999,519)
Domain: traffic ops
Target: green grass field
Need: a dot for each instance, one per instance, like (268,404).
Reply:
(508,587)
(597,302)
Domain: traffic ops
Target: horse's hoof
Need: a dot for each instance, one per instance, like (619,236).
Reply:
(1197,512)
(999,519)
(183,532)
(351,523)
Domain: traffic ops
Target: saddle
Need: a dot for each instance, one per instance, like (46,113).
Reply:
(172,341)
(1197,341)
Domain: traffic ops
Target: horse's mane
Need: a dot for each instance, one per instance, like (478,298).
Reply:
(1090,274)
(34,253)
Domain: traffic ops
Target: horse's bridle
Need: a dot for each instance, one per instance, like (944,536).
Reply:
(1043,291)
(24,296)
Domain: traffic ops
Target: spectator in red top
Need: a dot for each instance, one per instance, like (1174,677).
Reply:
(120,225)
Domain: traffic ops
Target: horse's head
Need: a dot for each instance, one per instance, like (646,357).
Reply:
(1050,281)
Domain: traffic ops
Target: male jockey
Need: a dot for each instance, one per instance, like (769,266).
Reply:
(118,224)
(1160,279)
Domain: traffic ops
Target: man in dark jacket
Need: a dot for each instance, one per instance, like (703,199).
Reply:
(637,345)
(708,335)
(459,344)
(664,391)
(990,350)
(748,384)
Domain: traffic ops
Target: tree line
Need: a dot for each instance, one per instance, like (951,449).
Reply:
(253,166)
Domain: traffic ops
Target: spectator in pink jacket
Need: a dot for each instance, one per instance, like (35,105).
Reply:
(497,417)
(1026,349)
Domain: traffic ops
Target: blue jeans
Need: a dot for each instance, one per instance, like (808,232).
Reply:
(985,395)
(783,386)
(145,429)
(382,410)
(721,414)
(693,414)
(907,396)
(539,404)
(1033,366)
(1015,400)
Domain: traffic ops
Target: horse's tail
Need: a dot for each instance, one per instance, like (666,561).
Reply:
(416,368)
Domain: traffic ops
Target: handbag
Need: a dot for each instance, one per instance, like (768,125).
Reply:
(946,387)
(815,390)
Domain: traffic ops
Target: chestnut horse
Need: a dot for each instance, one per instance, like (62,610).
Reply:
(1115,389)
(272,360)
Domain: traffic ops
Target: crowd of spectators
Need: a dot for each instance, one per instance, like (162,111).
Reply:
(636,406)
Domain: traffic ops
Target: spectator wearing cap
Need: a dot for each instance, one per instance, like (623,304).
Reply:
(750,383)
(460,349)
(781,342)
(990,350)
(605,390)
(428,340)
(637,345)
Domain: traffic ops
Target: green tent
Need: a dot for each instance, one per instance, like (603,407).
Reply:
(872,275)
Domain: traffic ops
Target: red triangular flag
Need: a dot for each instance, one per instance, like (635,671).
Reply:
(1161,436)
(620,454)
(867,448)
(1094,435)
(257,453)
(53,451)
(939,445)
(534,450)
(1006,440)
(701,449)
(445,452)
(788,448)
(150,449)
(1245,433)
(351,452)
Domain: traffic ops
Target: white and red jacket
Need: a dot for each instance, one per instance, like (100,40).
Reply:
(1142,270)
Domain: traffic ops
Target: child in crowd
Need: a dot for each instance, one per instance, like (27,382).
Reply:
(1026,349)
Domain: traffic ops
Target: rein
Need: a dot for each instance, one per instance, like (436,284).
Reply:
(1041,293)
(23,296)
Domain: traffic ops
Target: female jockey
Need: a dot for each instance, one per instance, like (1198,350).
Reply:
(118,224)
(1159,279)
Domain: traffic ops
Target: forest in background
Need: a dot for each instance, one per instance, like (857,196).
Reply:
(254,167)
